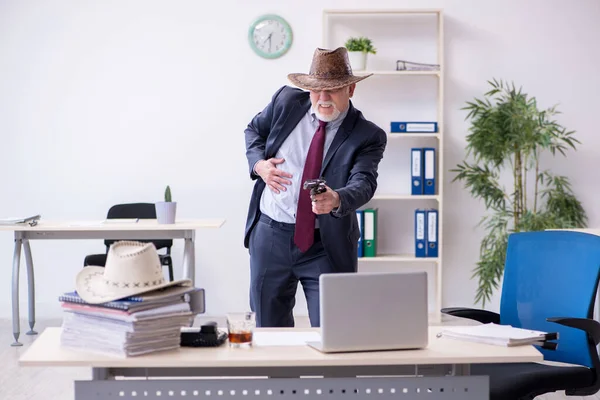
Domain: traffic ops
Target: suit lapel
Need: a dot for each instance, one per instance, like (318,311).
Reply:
(340,136)
(294,115)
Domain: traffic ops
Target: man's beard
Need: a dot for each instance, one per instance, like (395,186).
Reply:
(328,117)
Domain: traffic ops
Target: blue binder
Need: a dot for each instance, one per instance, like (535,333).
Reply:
(416,167)
(413,127)
(420,233)
(360,216)
(429,171)
(432,233)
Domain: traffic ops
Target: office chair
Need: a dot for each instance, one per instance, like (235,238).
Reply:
(134,210)
(550,284)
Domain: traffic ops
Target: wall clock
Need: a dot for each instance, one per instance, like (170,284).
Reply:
(270,36)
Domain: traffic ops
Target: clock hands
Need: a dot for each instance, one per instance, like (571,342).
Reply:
(269,39)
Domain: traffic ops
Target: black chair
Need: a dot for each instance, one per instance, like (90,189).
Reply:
(550,284)
(134,210)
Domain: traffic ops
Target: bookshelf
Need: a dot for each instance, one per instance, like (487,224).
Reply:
(399,34)
(366,72)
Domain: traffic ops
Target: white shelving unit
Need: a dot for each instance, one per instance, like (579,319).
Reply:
(386,27)
(366,72)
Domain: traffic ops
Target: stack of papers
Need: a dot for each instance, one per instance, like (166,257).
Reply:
(502,335)
(128,327)
(19,220)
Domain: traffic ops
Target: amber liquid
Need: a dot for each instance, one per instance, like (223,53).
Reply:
(240,337)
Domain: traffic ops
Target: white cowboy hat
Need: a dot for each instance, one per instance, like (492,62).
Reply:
(132,268)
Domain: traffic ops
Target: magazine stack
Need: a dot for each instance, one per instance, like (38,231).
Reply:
(126,308)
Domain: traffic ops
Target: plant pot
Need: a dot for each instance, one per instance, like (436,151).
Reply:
(358,60)
(166,211)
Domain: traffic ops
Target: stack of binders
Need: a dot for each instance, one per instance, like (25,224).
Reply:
(367,223)
(423,171)
(426,233)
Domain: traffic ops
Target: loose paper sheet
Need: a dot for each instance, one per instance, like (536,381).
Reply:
(285,338)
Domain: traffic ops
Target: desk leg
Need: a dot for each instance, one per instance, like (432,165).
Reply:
(189,259)
(30,286)
(102,374)
(461,370)
(15,291)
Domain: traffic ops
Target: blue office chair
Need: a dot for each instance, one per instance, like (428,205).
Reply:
(550,284)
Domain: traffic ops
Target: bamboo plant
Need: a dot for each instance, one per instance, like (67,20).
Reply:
(509,134)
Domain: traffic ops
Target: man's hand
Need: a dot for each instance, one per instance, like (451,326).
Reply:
(273,177)
(324,203)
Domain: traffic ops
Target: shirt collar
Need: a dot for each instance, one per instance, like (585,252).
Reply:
(333,124)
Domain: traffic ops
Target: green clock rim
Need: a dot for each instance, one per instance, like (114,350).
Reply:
(287,44)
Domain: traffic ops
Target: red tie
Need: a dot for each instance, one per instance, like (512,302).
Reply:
(304,235)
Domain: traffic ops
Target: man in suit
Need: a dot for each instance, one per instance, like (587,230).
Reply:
(293,236)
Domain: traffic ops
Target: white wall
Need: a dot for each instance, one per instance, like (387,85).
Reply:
(107,102)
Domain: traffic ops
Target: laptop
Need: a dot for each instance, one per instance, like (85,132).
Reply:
(373,312)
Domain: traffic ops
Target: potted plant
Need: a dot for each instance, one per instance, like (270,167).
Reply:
(358,49)
(166,210)
(509,132)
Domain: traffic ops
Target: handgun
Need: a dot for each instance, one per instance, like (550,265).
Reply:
(316,186)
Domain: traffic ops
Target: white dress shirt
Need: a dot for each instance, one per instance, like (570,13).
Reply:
(282,206)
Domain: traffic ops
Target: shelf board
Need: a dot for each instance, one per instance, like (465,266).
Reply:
(384,11)
(413,135)
(398,258)
(394,72)
(404,197)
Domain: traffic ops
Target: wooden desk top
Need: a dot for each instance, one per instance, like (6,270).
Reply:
(115,225)
(47,352)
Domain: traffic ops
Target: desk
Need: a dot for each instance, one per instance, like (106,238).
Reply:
(143,229)
(441,371)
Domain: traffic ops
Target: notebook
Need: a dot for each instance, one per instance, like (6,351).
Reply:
(501,335)
(144,300)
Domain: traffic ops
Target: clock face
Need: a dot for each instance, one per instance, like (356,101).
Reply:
(270,36)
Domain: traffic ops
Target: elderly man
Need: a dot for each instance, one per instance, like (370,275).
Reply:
(293,236)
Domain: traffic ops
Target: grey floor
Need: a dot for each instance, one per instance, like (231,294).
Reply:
(20,383)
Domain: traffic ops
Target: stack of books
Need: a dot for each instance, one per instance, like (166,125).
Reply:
(129,327)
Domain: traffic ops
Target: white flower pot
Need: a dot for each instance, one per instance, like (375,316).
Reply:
(165,212)
(358,60)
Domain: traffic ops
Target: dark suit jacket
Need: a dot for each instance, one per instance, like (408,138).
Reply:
(349,167)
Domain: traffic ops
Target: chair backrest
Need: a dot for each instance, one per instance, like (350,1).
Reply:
(141,211)
(552,274)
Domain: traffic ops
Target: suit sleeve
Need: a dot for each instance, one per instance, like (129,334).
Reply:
(362,181)
(257,133)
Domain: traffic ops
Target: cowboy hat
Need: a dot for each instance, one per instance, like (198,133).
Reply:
(330,70)
(132,268)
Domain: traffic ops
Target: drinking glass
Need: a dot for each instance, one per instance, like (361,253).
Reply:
(241,328)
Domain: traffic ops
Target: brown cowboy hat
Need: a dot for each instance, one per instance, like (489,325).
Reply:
(330,70)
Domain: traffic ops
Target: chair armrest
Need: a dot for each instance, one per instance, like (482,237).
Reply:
(590,326)
(483,316)
(592,329)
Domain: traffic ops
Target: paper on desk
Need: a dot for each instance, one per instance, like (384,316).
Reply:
(491,333)
(17,220)
(285,338)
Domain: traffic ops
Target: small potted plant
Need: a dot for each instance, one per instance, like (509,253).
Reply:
(358,49)
(166,210)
